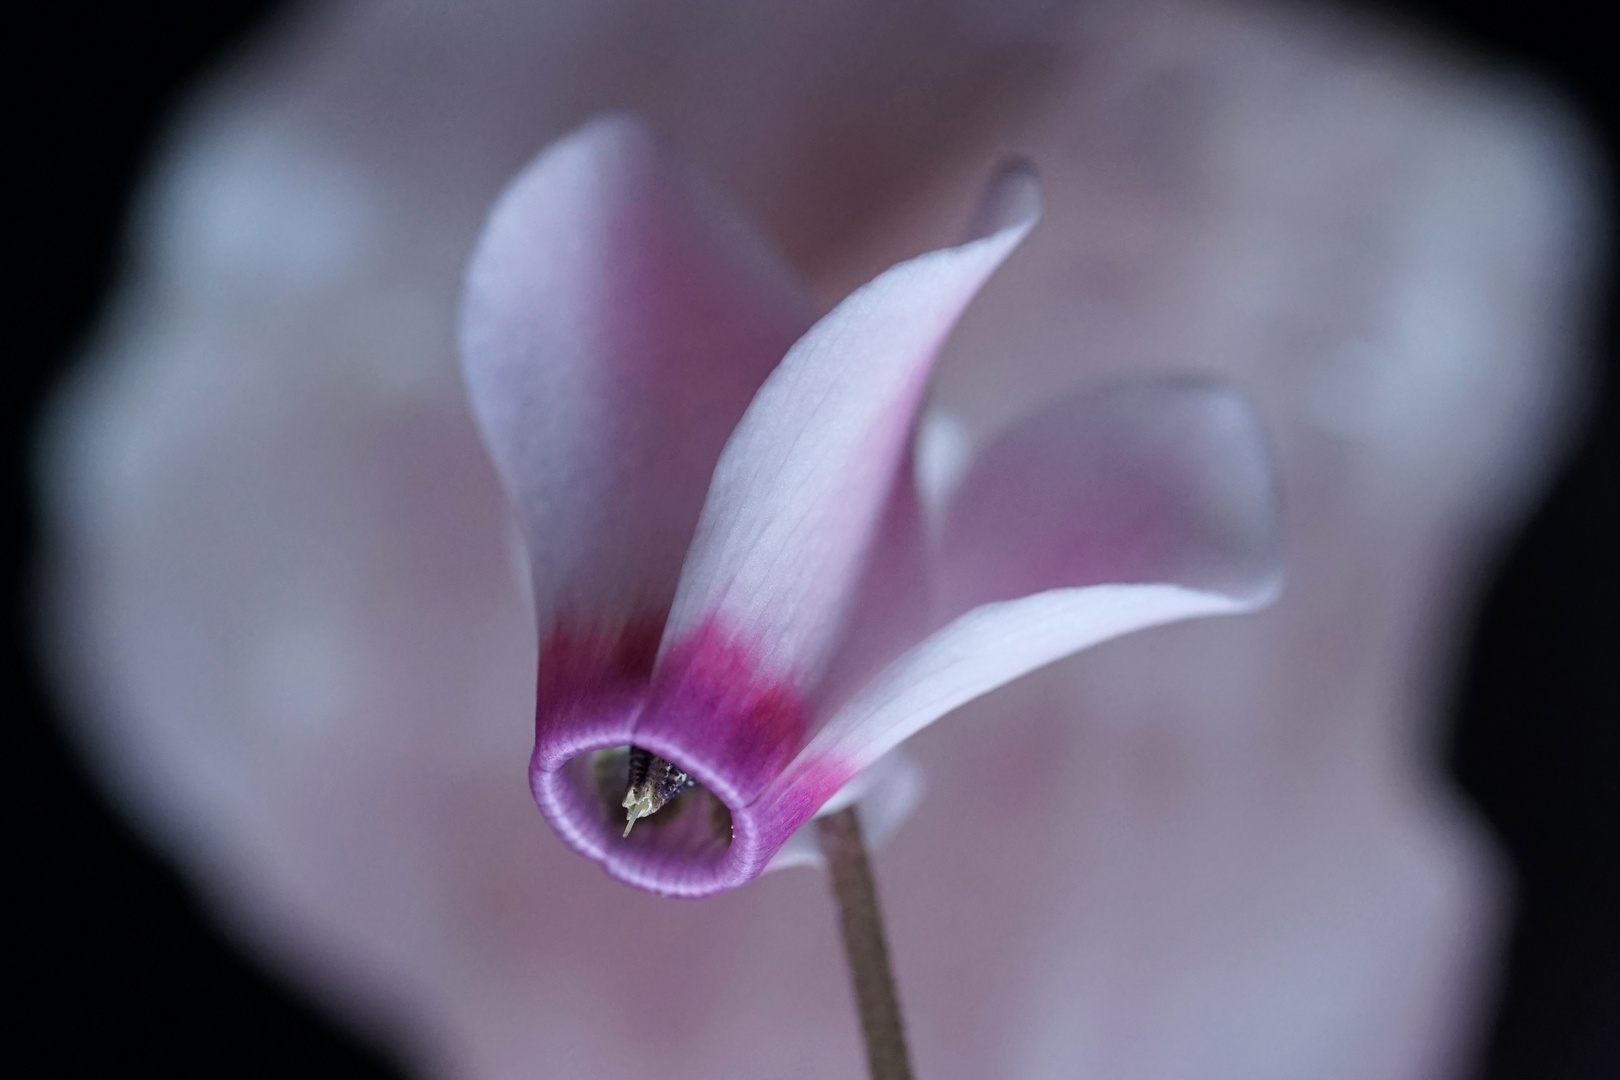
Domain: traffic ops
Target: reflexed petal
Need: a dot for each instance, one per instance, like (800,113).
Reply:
(805,480)
(618,318)
(1106,513)
(988,646)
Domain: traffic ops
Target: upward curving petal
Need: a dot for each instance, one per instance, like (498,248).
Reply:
(807,477)
(617,319)
(1108,512)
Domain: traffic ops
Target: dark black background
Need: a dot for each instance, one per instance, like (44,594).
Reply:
(117,967)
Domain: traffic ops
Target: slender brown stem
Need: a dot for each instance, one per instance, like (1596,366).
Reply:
(862,924)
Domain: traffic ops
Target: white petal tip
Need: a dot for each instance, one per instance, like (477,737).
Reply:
(1011,200)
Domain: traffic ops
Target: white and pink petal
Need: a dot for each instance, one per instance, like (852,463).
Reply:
(1109,512)
(618,317)
(809,475)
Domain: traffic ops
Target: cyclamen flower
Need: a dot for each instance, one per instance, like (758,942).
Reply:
(621,333)
(286,616)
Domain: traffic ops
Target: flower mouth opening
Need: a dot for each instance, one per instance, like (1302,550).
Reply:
(689,847)
(618,774)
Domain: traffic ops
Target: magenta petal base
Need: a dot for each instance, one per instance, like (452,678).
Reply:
(710,711)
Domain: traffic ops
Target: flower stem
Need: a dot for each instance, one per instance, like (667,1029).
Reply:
(868,954)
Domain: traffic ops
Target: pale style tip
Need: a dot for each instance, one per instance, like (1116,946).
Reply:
(651,783)
(638,803)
